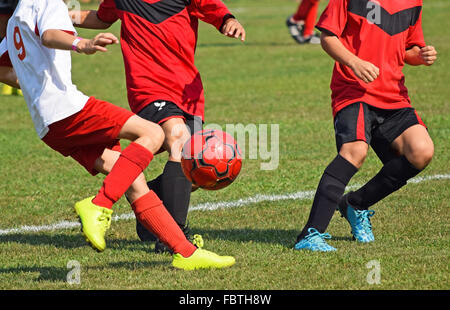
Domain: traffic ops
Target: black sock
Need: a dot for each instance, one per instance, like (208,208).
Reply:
(175,192)
(155,185)
(391,178)
(331,187)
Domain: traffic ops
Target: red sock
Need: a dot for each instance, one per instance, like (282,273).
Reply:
(133,160)
(307,12)
(151,212)
(310,20)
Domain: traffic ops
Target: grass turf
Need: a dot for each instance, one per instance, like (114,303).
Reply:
(267,80)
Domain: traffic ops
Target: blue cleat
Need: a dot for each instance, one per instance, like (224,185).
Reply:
(359,221)
(315,241)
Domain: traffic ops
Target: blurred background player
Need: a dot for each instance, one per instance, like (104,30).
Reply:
(40,36)
(301,24)
(371,107)
(164,86)
(7,75)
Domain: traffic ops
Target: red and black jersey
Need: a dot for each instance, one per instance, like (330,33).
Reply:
(158,41)
(379,32)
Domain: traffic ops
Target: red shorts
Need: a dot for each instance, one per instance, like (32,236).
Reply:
(5,61)
(85,135)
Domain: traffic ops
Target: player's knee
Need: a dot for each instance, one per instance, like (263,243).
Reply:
(152,139)
(355,153)
(421,154)
(175,139)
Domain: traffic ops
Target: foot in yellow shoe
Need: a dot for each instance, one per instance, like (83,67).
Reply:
(201,259)
(7,90)
(17,92)
(95,221)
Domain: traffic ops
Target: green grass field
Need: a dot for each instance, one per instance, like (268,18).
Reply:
(268,80)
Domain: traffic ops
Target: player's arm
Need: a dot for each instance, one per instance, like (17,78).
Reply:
(364,70)
(216,13)
(88,19)
(59,39)
(417,56)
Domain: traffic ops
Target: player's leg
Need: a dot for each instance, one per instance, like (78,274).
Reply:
(172,186)
(416,145)
(351,139)
(415,150)
(301,24)
(146,139)
(151,212)
(8,77)
(175,187)
(403,144)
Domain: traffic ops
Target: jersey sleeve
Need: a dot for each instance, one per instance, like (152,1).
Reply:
(213,12)
(54,15)
(334,18)
(415,34)
(107,12)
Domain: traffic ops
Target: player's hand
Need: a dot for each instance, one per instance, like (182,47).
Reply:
(97,44)
(428,54)
(365,70)
(233,29)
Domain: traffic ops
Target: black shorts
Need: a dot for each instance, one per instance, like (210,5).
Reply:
(161,111)
(377,127)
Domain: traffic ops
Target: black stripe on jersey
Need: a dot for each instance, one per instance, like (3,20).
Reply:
(391,24)
(153,12)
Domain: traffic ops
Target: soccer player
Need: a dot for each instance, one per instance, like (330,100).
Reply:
(158,42)
(301,24)
(370,42)
(40,36)
(7,74)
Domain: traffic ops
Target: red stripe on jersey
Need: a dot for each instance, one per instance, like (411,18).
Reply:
(360,125)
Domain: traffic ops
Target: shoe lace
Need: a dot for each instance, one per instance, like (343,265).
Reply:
(198,241)
(364,218)
(315,235)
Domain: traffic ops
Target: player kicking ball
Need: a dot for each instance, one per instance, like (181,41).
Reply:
(158,40)
(371,106)
(40,36)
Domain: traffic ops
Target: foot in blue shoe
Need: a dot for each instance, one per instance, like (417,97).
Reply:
(314,241)
(359,220)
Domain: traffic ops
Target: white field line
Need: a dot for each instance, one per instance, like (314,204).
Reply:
(209,206)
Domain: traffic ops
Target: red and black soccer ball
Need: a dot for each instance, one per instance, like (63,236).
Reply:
(211,159)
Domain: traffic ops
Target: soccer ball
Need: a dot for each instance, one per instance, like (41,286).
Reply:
(211,159)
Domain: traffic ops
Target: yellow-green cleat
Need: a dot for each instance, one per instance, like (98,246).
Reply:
(95,221)
(11,91)
(202,259)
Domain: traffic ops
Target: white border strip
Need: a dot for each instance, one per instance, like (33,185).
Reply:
(209,206)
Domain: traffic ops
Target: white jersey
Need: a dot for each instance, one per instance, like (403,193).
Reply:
(44,74)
